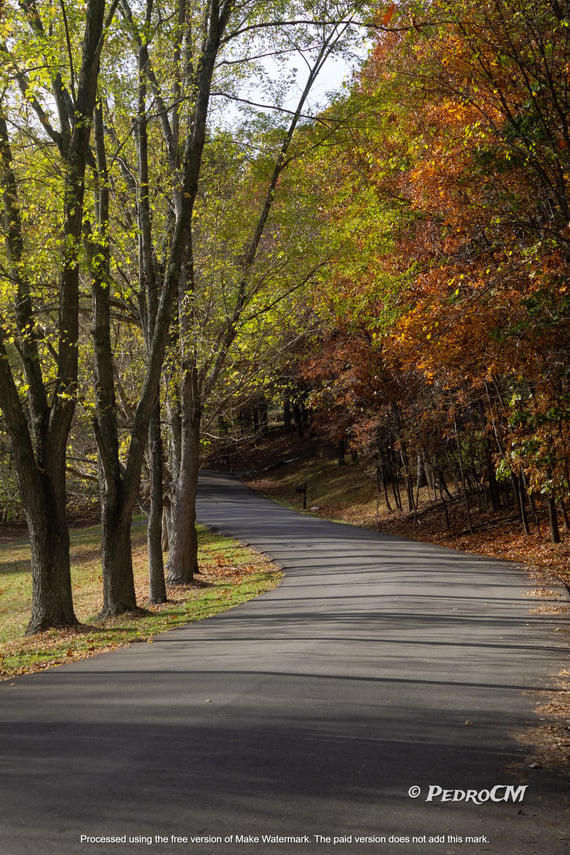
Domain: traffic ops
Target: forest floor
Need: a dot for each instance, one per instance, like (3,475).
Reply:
(294,470)
(280,464)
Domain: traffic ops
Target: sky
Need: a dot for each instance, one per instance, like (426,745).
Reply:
(337,71)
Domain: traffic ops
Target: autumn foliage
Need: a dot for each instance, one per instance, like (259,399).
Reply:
(445,336)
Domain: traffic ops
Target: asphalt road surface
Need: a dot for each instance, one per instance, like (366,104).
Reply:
(368,705)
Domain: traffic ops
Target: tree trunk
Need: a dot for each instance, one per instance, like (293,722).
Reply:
(40,472)
(183,544)
(445,508)
(183,555)
(116,501)
(287,414)
(519,496)
(118,582)
(157,585)
(149,271)
(564,515)
(396,491)
(553,520)
(382,483)
(463,479)
(492,481)
(52,603)
(407,476)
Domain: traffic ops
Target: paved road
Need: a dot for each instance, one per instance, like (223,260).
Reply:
(379,665)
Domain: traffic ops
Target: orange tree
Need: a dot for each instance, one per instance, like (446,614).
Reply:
(491,170)
(454,205)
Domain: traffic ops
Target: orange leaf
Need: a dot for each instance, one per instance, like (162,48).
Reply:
(389,14)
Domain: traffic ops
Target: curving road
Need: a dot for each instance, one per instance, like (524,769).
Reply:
(368,705)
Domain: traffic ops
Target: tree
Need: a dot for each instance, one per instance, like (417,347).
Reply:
(195,71)
(57,99)
(249,275)
(494,180)
(176,59)
(452,194)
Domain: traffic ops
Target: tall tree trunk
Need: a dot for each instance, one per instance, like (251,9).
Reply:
(183,544)
(157,586)
(382,482)
(407,475)
(492,481)
(149,273)
(116,502)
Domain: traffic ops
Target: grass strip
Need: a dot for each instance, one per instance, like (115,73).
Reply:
(230,574)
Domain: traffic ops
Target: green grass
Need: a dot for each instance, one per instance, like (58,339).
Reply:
(230,574)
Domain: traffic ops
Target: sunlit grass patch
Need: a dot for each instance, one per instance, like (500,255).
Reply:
(230,574)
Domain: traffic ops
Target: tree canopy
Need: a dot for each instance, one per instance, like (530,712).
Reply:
(451,321)
(185,229)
